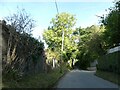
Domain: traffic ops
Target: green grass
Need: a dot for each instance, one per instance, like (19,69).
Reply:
(110,76)
(41,80)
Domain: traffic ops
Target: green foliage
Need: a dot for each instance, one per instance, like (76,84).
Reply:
(109,62)
(112,25)
(12,74)
(81,43)
(27,49)
(83,60)
(65,56)
(22,47)
(90,45)
(96,42)
(32,47)
(51,54)
(63,22)
(110,76)
(40,80)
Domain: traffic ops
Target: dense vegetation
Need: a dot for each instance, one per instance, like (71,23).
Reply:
(73,47)
(40,80)
(112,26)
(109,65)
(23,53)
(81,46)
(77,46)
(24,65)
(111,36)
(110,62)
(60,39)
(110,76)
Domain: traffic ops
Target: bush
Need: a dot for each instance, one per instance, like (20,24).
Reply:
(82,64)
(39,80)
(110,62)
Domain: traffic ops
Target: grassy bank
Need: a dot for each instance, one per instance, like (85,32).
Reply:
(42,80)
(110,76)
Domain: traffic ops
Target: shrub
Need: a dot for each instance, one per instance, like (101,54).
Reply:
(110,62)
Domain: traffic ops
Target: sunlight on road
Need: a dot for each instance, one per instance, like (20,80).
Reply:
(76,70)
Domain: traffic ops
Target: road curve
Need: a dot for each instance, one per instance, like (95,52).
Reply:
(84,79)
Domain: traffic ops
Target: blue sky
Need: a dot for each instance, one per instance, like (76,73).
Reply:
(43,12)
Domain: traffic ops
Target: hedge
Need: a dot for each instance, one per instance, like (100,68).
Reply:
(110,62)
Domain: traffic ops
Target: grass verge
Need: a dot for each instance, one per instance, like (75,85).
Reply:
(41,80)
(110,76)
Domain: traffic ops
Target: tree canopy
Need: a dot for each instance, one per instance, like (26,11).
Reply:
(21,21)
(112,25)
(83,44)
(53,35)
(63,23)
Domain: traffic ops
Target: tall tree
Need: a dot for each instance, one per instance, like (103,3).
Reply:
(62,23)
(90,45)
(112,25)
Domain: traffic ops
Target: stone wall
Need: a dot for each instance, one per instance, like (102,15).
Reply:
(17,55)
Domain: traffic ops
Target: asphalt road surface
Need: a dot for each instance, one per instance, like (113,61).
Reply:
(83,79)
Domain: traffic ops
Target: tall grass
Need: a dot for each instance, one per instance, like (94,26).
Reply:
(41,80)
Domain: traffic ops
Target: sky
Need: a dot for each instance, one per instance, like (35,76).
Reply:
(42,12)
